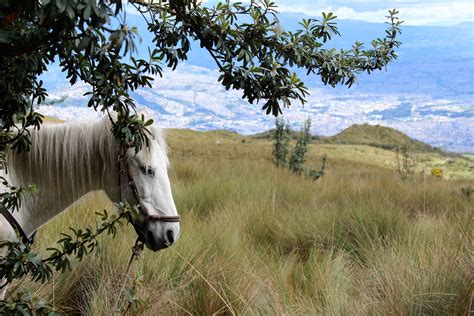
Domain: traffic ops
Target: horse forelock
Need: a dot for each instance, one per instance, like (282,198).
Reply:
(157,140)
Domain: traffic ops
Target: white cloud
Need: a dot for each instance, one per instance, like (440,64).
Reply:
(436,12)
(442,13)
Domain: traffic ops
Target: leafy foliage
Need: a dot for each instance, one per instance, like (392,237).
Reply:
(135,303)
(254,53)
(252,50)
(21,260)
(25,304)
(315,174)
(11,199)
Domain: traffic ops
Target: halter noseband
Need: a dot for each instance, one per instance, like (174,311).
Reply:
(126,177)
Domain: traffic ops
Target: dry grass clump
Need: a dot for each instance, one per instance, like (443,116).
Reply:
(259,240)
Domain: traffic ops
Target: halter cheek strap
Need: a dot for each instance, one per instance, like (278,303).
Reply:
(125,176)
(16,226)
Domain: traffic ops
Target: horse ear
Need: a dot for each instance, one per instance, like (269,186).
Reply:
(147,114)
(153,131)
(106,118)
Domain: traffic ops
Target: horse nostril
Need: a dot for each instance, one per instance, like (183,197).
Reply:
(149,236)
(170,236)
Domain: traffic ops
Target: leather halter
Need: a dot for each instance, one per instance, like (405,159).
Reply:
(16,226)
(123,167)
(125,176)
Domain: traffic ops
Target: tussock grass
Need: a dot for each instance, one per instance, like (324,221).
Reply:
(259,240)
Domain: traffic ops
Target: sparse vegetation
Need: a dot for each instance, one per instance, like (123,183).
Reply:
(315,174)
(257,239)
(298,154)
(382,150)
(405,162)
(282,143)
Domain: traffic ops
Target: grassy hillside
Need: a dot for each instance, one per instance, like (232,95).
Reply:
(378,136)
(259,240)
(374,145)
(371,145)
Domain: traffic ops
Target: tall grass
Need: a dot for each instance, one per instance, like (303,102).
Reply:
(259,240)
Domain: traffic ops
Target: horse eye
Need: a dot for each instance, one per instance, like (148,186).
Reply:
(148,171)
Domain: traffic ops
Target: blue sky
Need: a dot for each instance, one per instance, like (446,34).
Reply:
(420,12)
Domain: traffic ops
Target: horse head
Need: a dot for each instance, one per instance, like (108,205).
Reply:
(145,182)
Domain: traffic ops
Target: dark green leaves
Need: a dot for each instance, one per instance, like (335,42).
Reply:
(20,260)
(254,53)
(132,130)
(26,304)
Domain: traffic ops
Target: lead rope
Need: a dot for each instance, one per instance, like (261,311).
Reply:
(137,250)
(126,177)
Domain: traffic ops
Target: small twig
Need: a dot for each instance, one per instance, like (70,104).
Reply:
(137,250)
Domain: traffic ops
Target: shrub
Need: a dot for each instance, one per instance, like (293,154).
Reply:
(298,156)
(405,162)
(282,141)
(295,164)
(314,174)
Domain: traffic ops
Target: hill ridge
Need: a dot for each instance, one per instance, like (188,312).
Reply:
(378,136)
(365,134)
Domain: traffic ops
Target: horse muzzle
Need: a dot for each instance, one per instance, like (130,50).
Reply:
(154,241)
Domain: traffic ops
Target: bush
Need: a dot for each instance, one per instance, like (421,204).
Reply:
(295,164)
(282,141)
(301,148)
(405,163)
(314,174)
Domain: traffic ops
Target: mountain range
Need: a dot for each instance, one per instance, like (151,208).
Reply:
(428,93)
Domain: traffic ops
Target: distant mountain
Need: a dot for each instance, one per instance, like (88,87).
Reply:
(465,25)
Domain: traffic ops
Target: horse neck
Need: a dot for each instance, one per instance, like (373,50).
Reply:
(65,163)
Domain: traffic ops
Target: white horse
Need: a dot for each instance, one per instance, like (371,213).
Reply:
(66,161)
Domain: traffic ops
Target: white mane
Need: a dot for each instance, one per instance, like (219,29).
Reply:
(68,158)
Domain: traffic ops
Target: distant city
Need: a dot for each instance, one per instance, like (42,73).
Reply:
(428,93)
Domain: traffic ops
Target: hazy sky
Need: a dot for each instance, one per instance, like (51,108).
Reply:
(434,12)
